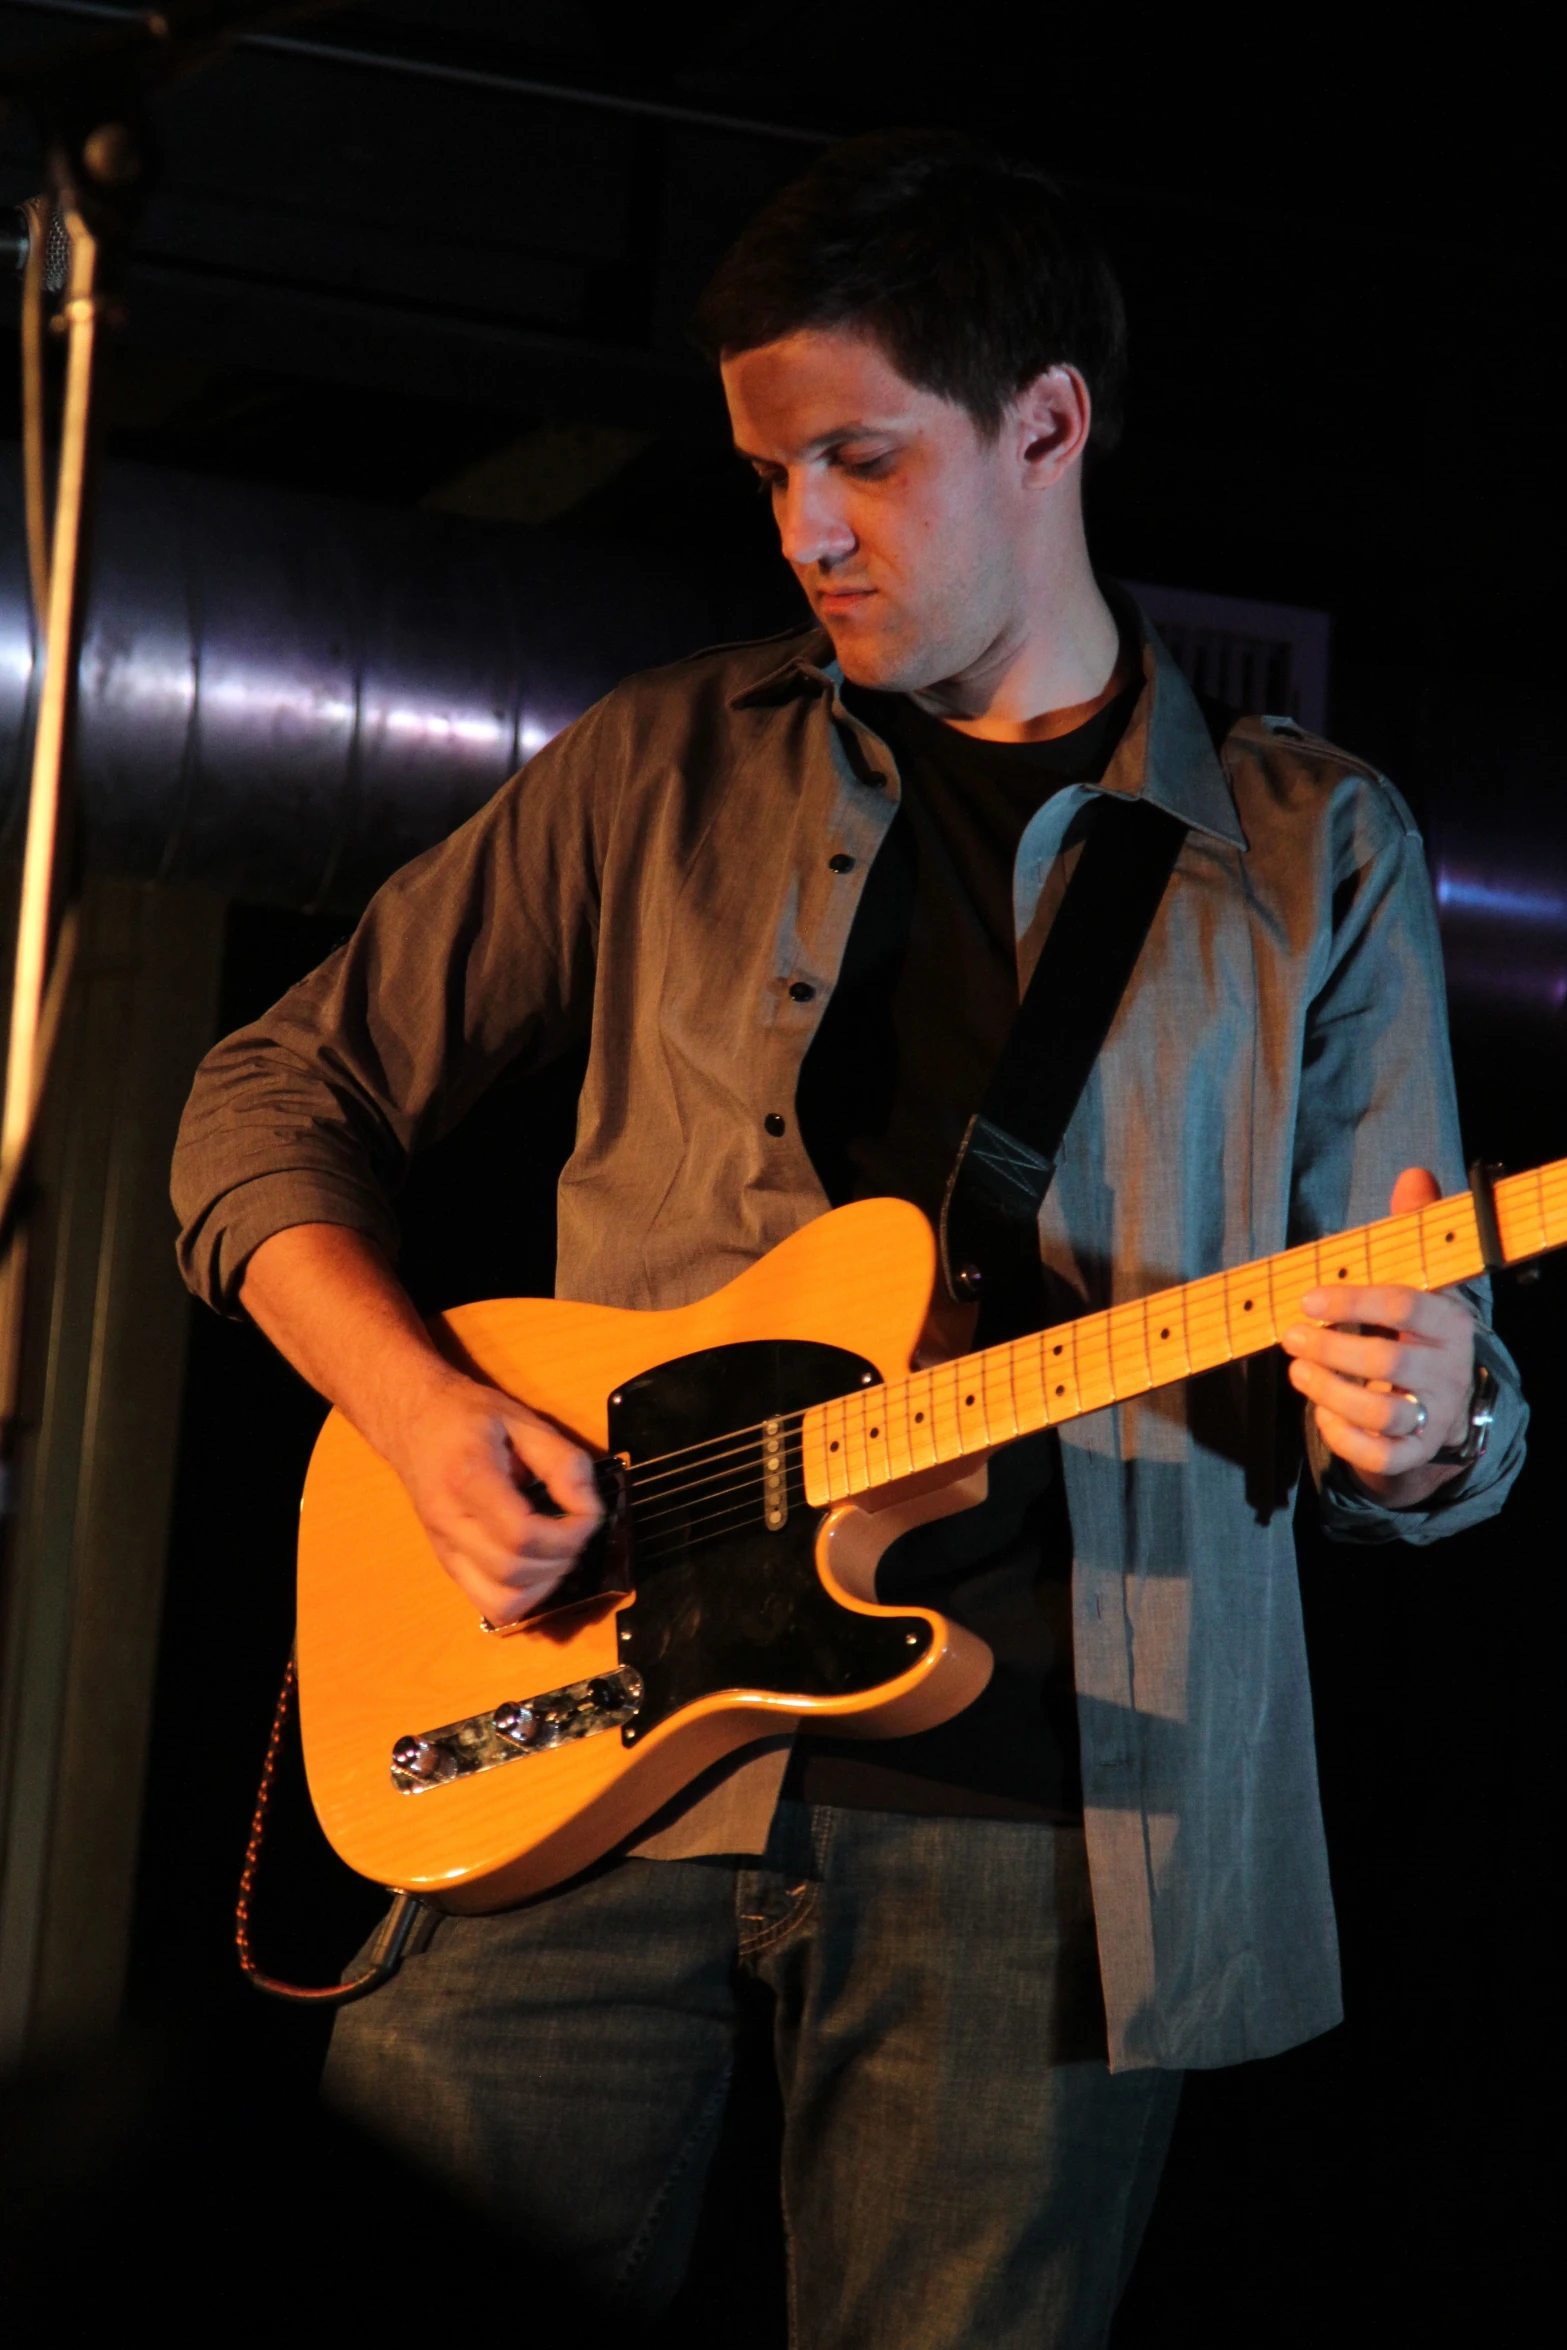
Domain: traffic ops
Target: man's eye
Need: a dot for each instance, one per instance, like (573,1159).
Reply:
(767,483)
(866,468)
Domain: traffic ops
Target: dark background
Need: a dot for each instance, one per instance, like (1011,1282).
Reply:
(372,281)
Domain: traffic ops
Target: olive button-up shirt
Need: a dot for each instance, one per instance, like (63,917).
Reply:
(675,878)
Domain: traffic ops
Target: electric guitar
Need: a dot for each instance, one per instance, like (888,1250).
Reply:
(758,1452)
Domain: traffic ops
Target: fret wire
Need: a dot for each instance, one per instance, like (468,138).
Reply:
(1055,1362)
(1012,1396)
(995,1397)
(1207,1313)
(813,1457)
(1277,1266)
(838,1462)
(1013,1364)
(900,1452)
(869,1454)
(943,1417)
(895,1428)
(1119,1325)
(855,1422)
(1091,1340)
(926,1438)
(846,1438)
(1100,1357)
(917,1389)
(1029,1355)
(962,1415)
(908,1403)
(1074,1368)
(1148,1355)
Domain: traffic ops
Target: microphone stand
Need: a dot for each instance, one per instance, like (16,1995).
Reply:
(88,99)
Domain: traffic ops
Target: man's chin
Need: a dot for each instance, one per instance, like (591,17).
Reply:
(872,662)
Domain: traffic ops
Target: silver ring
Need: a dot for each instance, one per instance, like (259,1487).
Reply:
(1421,1414)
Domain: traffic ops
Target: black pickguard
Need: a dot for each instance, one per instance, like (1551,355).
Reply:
(722,1600)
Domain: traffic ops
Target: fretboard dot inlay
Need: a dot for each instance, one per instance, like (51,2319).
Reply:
(1028,1385)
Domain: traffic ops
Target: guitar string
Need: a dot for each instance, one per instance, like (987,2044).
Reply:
(754,1502)
(715,1523)
(676,1482)
(788,1423)
(668,1497)
(659,1512)
(646,1517)
(753,1445)
(755,1438)
(724,1505)
(756,1428)
(1264,1268)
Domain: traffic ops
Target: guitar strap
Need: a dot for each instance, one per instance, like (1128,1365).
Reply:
(1004,1166)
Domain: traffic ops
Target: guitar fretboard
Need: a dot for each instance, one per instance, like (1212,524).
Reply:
(977,1401)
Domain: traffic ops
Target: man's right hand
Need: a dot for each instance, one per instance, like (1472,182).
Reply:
(469,1457)
(328,1299)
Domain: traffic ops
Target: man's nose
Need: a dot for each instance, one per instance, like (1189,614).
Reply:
(811,522)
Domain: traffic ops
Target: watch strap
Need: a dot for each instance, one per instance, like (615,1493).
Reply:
(1482,1411)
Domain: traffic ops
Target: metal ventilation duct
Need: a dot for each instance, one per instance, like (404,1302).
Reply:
(286,696)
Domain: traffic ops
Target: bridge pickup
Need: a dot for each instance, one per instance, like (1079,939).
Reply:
(523,1726)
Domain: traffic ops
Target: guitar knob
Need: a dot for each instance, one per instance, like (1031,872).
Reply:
(515,1723)
(418,1758)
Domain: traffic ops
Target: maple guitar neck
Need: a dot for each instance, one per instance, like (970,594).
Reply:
(978,1401)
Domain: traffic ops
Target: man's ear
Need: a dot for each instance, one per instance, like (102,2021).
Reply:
(1049,424)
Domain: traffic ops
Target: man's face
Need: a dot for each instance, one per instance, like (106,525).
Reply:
(902,523)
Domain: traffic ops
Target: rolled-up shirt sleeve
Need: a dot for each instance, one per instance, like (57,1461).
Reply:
(1377,1096)
(474,960)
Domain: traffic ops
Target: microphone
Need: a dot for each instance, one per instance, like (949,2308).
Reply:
(19,229)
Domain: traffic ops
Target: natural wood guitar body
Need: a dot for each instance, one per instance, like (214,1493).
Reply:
(775,1441)
(389,1646)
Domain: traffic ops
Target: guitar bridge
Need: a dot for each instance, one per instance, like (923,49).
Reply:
(522,1726)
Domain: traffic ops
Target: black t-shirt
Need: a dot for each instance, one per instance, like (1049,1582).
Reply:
(924,1003)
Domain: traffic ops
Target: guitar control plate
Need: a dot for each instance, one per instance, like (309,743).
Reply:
(513,1731)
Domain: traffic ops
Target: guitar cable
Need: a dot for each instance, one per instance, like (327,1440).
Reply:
(406,1927)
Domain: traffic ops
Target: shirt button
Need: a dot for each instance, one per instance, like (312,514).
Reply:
(840,863)
(773,1122)
(802,991)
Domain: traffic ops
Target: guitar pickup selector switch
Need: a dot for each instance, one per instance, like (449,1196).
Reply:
(520,1727)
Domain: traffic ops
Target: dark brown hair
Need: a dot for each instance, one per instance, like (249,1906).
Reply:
(968,267)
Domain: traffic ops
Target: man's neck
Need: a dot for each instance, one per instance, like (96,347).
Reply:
(1061,662)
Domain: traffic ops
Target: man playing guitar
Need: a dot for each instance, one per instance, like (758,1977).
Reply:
(790,891)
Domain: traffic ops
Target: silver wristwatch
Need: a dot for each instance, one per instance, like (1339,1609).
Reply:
(1482,1411)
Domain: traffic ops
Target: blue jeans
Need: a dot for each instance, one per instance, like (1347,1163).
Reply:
(960,2169)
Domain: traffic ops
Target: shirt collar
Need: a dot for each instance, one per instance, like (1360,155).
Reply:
(1166,755)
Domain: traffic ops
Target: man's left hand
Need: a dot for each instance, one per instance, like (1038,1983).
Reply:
(1388,1371)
